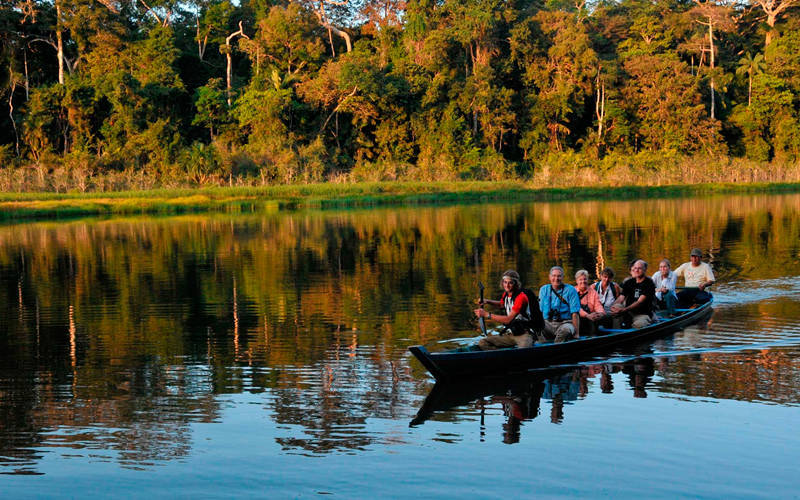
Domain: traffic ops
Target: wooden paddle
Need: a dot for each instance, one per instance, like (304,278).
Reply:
(482,320)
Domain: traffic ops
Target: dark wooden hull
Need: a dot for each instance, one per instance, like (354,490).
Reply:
(449,365)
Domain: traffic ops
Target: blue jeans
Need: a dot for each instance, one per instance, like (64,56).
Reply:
(689,296)
(668,302)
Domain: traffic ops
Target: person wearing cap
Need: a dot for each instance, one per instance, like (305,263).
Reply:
(697,276)
(560,306)
(516,317)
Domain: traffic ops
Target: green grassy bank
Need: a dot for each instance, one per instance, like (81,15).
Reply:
(273,198)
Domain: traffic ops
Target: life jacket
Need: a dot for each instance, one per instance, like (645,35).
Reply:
(531,318)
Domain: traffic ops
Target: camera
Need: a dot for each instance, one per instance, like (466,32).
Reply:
(552,316)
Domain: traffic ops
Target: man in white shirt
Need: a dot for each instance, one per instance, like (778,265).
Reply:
(698,276)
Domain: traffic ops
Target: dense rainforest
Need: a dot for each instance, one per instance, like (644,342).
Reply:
(114,94)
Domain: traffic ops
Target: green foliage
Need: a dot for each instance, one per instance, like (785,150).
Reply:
(769,125)
(212,109)
(783,58)
(201,163)
(45,121)
(457,89)
(287,39)
(665,103)
(650,31)
(216,19)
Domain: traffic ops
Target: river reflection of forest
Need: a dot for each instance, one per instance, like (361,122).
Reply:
(118,334)
(543,394)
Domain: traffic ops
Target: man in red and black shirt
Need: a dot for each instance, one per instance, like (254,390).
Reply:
(516,317)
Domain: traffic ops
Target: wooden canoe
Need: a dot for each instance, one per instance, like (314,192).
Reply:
(449,365)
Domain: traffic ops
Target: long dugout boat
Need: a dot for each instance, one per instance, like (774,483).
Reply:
(449,365)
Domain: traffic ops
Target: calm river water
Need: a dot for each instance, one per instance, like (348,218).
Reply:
(266,354)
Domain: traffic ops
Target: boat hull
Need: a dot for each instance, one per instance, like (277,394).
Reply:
(453,364)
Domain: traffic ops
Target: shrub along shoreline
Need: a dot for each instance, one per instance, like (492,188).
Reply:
(20,206)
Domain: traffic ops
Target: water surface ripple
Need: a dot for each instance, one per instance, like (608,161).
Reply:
(267,355)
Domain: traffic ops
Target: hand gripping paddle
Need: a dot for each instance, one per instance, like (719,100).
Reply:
(482,320)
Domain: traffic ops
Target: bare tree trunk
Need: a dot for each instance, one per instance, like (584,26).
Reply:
(229,70)
(771,23)
(151,11)
(13,84)
(201,44)
(60,43)
(27,80)
(472,57)
(711,43)
(228,73)
(342,34)
(323,20)
(330,41)
(600,107)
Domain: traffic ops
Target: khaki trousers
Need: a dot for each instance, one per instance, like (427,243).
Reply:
(557,331)
(640,320)
(505,340)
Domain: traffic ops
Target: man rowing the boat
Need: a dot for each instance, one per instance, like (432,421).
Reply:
(560,305)
(635,305)
(697,276)
(517,317)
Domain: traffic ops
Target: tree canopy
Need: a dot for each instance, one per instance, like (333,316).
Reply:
(273,92)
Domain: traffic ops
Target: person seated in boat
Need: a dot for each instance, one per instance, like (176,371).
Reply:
(560,306)
(697,276)
(608,291)
(517,317)
(635,305)
(665,280)
(592,310)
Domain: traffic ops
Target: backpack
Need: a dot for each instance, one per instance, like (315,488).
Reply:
(597,288)
(537,319)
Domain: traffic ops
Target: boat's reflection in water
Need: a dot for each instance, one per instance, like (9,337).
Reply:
(521,395)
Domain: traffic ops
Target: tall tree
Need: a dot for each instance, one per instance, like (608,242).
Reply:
(750,65)
(715,17)
(228,50)
(773,10)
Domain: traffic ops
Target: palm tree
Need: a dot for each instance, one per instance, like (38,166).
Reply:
(752,66)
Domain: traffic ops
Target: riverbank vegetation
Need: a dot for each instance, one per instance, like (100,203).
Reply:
(263,199)
(108,95)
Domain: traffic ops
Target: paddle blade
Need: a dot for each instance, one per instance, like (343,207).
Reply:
(481,320)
